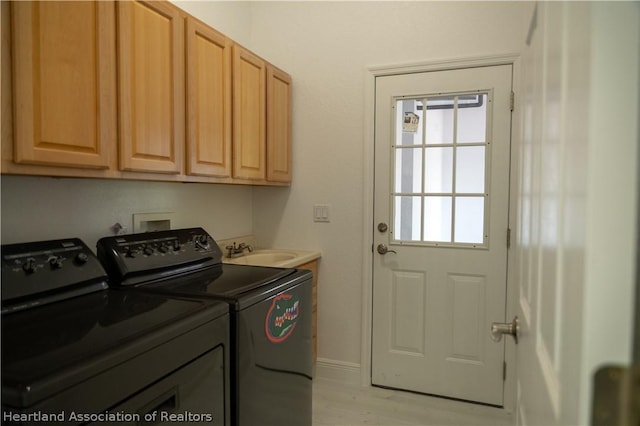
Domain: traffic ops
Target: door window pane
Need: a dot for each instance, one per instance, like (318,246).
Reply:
(470,163)
(438,174)
(440,120)
(409,122)
(472,118)
(407,220)
(408,177)
(437,219)
(440,153)
(469,220)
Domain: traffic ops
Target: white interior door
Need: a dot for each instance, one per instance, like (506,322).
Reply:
(442,155)
(577,206)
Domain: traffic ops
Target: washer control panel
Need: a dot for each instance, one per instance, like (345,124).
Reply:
(44,270)
(138,258)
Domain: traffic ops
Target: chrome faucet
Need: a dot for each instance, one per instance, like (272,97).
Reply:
(237,250)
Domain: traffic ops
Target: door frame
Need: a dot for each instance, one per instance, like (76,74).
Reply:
(371,74)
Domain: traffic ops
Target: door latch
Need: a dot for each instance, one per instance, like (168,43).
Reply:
(383,249)
(500,328)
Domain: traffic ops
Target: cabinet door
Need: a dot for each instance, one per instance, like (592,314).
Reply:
(208,101)
(151,77)
(64,83)
(249,138)
(278,125)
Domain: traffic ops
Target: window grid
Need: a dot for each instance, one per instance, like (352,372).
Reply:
(453,195)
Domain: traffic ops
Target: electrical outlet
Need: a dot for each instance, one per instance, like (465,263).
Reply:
(321,213)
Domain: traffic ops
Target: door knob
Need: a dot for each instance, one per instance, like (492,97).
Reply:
(383,249)
(500,328)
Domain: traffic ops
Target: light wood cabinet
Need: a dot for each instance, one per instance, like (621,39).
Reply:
(208,101)
(313,267)
(249,118)
(152,90)
(278,125)
(261,119)
(64,81)
(120,90)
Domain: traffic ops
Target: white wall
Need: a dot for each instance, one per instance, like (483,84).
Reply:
(612,192)
(39,208)
(327,47)
(232,18)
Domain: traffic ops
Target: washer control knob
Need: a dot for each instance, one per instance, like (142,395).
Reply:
(148,250)
(81,258)
(202,241)
(29,265)
(163,249)
(55,262)
(176,245)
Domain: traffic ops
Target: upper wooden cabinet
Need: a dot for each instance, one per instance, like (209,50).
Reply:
(249,118)
(208,101)
(64,83)
(151,77)
(261,119)
(278,125)
(137,89)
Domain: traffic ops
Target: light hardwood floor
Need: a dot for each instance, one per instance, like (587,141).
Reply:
(336,403)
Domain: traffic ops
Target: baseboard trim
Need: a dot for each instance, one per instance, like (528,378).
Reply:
(342,371)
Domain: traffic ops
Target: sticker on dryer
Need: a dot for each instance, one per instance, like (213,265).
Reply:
(282,317)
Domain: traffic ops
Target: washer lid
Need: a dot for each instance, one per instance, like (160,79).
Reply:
(226,281)
(49,348)
(239,285)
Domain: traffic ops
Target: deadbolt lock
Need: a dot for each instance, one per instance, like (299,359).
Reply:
(382,227)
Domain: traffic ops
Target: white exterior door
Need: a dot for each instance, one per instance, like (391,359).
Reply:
(442,155)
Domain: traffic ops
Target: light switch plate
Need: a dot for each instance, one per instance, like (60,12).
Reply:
(321,213)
